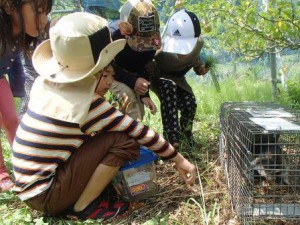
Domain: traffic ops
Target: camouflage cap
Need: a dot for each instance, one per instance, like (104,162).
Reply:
(143,17)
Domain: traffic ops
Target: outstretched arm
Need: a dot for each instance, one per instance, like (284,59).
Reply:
(104,117)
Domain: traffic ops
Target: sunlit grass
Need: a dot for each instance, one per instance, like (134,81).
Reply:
(232,89)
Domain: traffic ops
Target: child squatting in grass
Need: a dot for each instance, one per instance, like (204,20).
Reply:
(60,167)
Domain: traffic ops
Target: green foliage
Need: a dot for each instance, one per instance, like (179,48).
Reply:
(293,92)
(67,4)
(251,28)
(61,8)
(159,219)
(211,64)
(20,216)
(233,89)
(207,216)
(6,152)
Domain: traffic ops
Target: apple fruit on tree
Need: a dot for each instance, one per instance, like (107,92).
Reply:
(178,4)
(206,26)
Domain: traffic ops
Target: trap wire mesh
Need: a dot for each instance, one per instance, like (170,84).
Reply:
(260,154)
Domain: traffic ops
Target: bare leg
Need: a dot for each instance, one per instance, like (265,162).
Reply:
(10,120)
(97,183)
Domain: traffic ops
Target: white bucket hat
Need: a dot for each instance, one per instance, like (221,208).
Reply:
(79,46)
(183,32)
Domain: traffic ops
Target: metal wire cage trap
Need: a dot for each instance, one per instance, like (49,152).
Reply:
(260,154)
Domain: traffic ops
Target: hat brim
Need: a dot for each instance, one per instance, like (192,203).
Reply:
(182,46)
(144,43)
(48,67)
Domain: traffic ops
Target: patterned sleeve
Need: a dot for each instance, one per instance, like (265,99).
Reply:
(104,117)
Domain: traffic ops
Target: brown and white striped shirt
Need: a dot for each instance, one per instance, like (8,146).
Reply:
(43,143)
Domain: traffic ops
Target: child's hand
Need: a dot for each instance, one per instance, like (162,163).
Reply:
(149,104)
(201,70)
(186,170)
(141,86)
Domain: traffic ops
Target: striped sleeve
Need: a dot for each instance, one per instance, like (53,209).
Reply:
(40,146)
(104,117)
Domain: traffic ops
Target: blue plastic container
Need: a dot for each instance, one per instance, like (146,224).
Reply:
(136,179)
(146,156)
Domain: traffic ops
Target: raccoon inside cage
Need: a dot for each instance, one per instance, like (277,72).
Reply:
(260,153)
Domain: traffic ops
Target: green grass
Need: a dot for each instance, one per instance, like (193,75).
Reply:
(208,207)
(232,89)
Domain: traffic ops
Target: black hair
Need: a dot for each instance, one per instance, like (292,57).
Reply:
(23,41)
